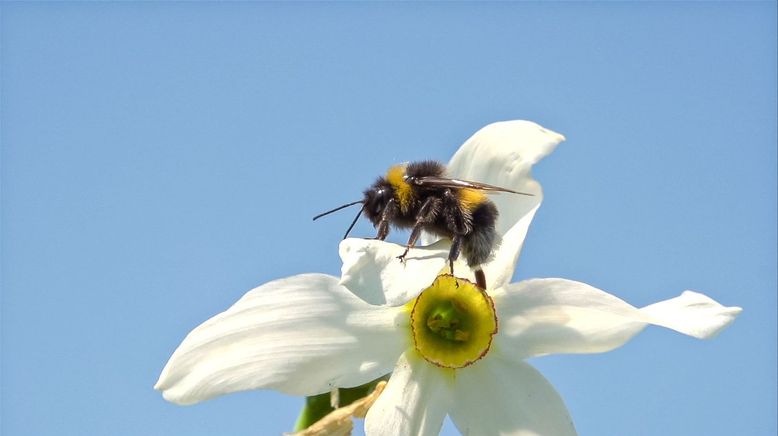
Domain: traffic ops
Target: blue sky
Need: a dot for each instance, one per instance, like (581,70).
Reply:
(160,159)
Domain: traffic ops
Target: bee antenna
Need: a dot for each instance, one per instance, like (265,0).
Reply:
(355,221)
(337,209)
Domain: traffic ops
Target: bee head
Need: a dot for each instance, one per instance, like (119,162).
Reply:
(376,198)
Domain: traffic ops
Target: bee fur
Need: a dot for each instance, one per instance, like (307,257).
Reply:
(464,215)
(420,196)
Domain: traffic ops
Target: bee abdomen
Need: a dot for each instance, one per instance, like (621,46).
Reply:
(479,244)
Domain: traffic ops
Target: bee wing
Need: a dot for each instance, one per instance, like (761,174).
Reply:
(443,182)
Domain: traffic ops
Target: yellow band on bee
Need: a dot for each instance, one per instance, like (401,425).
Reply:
(403,190)
(470,198)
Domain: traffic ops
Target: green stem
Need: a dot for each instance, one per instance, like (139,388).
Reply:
(318,406)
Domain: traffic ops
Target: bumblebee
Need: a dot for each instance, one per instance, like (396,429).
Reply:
(419,196)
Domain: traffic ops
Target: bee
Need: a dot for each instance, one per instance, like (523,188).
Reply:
(419,196)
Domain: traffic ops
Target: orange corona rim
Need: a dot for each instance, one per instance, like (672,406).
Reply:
(453,322)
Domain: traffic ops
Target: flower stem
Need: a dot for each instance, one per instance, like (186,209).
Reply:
(318,406)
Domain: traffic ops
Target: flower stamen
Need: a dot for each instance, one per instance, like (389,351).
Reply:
(453,322)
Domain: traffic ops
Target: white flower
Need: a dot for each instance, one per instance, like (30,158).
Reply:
(306,334)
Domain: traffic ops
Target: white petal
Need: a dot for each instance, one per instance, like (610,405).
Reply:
(693,314)
(499,271)
(415,401)
(301,335)
(502,154)
(500,397)
(372,270)
(545,316)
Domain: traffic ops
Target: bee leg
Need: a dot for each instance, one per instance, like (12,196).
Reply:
(383,231)
(480,278)
(411,241)
(453,253)
(427,214)
(390,210)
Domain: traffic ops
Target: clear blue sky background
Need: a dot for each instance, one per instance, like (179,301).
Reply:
(160,159)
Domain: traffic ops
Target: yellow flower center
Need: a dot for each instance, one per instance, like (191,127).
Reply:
(453,322)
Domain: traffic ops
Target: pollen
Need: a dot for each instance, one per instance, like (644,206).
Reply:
(402,189)
(453,322)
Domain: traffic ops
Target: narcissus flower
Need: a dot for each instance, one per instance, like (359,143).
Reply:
(452,347)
